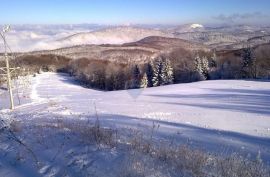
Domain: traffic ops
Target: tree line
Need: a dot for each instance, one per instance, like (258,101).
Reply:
(177,66)
(167,69)
(105,75)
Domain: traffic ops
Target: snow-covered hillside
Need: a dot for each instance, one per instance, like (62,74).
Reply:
(27,38)
(221,116)
(117,35)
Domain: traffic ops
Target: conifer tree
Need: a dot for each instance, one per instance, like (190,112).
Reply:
(248,64)
(167,72)
(136,77)
(198,67)
(157,75)
(149,73)
(213,61)
(205,67)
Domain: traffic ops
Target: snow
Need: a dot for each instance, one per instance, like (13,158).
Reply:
(230,105)
(196,26)
(221,116)
(34,96)
(224,105)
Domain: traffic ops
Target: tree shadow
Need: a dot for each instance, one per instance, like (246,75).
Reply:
(257,80)
(214,141)
(241,100)
(210,140)
(218,142)
(3,88)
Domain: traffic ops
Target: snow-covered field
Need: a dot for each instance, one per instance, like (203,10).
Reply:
(222,116)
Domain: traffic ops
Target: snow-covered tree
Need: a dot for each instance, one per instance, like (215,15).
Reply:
(201,67)
(163,72)
(167,72)
(144,81)
(248,64)
(198,67)
(205,66)
(157,75)
(197,64)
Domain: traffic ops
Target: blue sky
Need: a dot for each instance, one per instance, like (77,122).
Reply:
(133,11)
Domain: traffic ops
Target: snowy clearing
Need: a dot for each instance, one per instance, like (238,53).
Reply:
(223,117)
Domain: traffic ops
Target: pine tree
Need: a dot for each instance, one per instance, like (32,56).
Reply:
(149,73)
(157,79)
(197,63)
(110,82)
(99,80)
(167,72)
(163,72)
(144,81)
(136,77)
(119,80)
(249,64)
(213,61)
(198,67)
(205,67)
(247,57)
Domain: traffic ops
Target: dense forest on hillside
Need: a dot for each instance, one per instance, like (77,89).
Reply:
(177,66)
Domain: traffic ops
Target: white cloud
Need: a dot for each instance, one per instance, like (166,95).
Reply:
(24,38)
(236,17)
(40,37)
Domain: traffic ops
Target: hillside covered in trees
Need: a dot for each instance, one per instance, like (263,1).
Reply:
(130,66)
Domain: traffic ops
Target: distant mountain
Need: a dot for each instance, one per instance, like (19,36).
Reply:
(140,51)
(25,38)
(165,43)
(223,37)
(115,35)
(188,28)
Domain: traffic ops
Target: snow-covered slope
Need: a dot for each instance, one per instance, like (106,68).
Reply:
(229,105)
(223,117)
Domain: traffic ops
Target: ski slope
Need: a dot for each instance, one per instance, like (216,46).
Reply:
(233,106)
(229,105)
(222,116)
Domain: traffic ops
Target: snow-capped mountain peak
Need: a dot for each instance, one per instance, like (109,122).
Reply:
(195,25)
(189,28)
